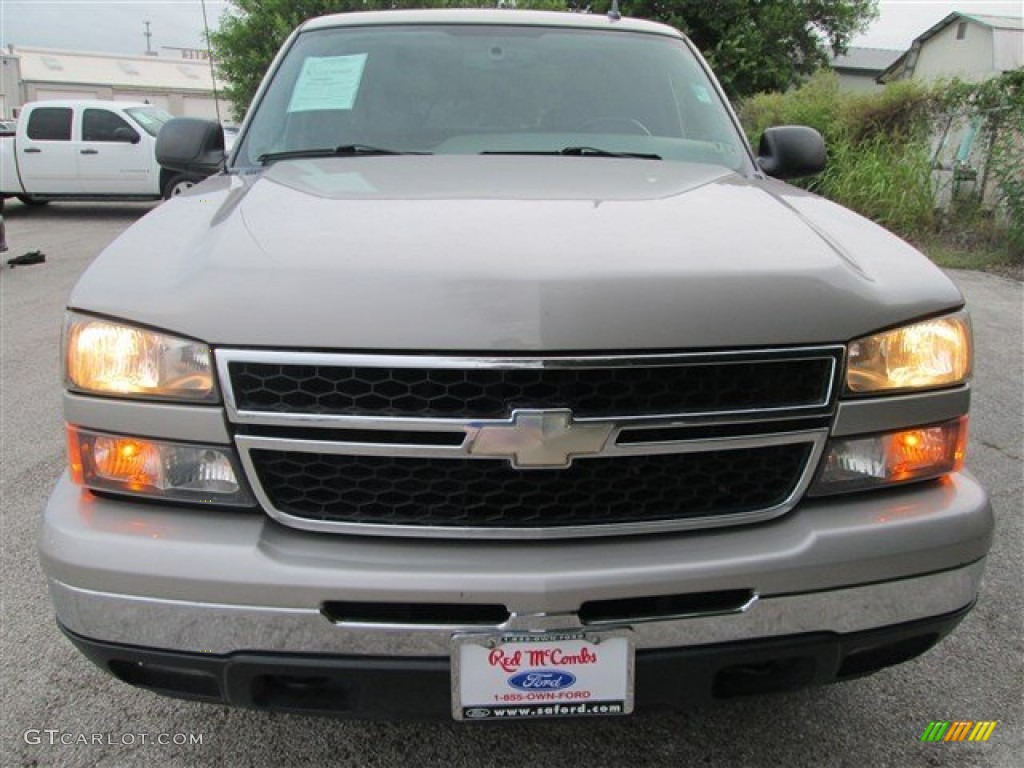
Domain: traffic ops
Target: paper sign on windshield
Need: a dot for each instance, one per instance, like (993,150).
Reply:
(328,82)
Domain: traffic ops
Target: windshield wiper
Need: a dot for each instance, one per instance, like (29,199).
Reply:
(576,152)
(345,150)
(595,152)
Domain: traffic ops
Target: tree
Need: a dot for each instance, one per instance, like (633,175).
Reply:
(761,45)
(753,45)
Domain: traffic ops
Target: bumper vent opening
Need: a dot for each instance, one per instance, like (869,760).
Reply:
(304,693)
(773,676)
(663,607)
(426,614)
(190,683)
(869,660)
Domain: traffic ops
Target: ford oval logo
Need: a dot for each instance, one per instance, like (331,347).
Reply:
(542,680)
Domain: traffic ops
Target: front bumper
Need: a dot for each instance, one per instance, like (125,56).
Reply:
(221,582)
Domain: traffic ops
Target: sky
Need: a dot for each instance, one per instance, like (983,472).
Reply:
(116,26)
(113,26)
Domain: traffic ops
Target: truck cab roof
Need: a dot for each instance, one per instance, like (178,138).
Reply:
(490,17)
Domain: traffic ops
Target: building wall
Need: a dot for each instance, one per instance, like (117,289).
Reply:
(943,56)
(204,107)
(20,82)
(10,86)
(858,82)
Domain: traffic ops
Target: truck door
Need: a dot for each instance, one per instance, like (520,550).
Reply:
(46,155)
(113,157)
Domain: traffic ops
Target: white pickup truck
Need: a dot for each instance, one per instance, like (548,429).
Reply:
(85,150)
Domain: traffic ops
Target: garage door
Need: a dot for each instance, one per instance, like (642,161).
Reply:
(49,94)
(200,106)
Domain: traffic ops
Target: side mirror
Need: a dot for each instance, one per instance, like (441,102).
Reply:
(791,151)
(126,135)
(190,145)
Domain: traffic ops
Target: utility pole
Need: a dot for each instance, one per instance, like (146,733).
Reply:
(148,35)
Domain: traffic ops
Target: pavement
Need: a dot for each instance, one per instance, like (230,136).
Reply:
(59,710)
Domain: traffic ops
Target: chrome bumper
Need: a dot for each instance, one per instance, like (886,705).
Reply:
(220,629)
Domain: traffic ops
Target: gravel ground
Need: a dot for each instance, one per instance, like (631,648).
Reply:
(975,674)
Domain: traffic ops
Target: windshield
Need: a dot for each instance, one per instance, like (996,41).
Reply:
(457,89)
(150,119)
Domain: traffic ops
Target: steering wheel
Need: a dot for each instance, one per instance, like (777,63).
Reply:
(635,126)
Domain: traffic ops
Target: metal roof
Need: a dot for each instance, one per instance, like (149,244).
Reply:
(996,22)
(993,22)
(868,60)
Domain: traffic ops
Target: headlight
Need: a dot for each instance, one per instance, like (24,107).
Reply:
(157,468)
(933,353)
(860,463)
(111,358)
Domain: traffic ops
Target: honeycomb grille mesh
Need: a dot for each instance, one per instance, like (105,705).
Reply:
(492,494)
(495,393)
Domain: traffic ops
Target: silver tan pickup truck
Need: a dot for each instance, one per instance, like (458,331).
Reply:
(494,376)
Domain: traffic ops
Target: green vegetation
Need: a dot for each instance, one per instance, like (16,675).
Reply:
(760,45)
(882,159)
(948,252)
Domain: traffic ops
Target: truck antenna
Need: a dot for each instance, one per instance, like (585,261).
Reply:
(213,73)
(613,12)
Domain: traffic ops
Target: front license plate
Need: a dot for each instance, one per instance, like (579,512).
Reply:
(540,675)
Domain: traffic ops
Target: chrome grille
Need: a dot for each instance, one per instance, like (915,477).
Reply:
(384,490)
(494,393)
(528,447)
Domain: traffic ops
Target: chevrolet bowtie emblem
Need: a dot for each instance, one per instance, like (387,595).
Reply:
(539,439)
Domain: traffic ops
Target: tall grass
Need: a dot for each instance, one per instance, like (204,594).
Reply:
(885,181)
(878,146)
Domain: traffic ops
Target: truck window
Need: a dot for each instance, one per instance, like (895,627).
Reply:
(151,119)
(471,89)
(50,124)
(102,125)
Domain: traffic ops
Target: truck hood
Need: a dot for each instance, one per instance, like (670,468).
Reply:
(509,254)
